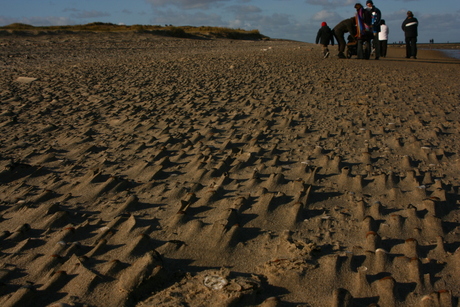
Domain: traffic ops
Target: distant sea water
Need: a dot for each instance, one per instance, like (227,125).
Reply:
(453,53)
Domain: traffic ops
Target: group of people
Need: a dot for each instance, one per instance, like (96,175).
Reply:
(368,31)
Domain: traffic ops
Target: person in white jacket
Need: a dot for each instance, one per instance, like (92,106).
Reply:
(383,38)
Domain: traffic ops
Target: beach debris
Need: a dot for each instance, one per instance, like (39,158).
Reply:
(215,282)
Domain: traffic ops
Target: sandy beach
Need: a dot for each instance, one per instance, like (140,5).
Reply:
(140,170)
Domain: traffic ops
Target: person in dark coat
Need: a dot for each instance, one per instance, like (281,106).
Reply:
(375,23)
(345,26)
(324,37)
(410,26)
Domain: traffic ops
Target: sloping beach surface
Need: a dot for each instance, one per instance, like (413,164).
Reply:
(139,170)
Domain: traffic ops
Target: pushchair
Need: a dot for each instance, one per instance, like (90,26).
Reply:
(352,49)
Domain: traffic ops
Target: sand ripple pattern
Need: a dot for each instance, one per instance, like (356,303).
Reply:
(138,170)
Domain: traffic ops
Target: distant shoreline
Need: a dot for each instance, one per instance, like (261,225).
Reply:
(434,46)
(450,50)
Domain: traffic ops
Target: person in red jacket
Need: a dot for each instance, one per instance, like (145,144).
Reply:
(324,37)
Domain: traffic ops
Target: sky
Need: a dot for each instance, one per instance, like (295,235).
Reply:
(285,19)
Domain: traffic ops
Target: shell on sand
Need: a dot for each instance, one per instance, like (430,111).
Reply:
(139,170)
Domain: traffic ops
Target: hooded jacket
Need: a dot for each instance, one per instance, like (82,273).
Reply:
(325,36)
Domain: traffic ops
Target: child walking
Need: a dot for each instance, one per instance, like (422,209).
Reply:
(324,37)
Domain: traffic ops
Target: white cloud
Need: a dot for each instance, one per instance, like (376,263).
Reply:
(275,20)
(81,14)
(443,30)
(239,24)
(326,15)
(244,9)
(179,18)
(276,25)
(332,3)
(187,4)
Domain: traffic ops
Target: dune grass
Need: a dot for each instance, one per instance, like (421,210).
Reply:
(168,30)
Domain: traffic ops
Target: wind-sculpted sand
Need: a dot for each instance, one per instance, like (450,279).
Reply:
(139,170)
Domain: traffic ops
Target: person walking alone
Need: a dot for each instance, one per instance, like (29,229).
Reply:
(383,38)
(324,37)
(410,28)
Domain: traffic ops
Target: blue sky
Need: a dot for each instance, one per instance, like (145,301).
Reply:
(287,19)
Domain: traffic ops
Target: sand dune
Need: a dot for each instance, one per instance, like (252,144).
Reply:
(148,171)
